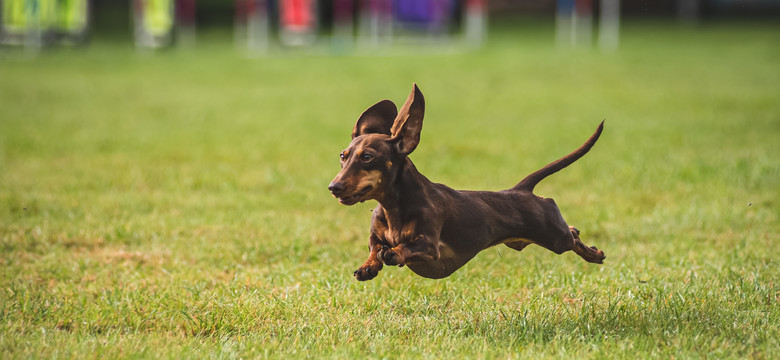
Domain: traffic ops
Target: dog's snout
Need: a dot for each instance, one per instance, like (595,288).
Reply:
(336,188)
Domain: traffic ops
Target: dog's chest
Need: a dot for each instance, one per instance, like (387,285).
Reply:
(398,235)
(394,231)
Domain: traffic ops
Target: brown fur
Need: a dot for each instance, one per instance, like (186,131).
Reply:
(429,227)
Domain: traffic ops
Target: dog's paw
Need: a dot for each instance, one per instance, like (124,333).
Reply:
(367,271)
(597,256)
(389,256)
(600,254)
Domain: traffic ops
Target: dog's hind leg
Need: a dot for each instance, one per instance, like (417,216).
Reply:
(560,237)
(590,254)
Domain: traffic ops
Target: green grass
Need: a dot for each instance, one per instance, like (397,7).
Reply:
(174,204)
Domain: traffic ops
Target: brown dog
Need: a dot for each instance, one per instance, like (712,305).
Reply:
(429,227)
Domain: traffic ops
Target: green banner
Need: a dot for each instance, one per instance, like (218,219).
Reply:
(158,17)
(58,15)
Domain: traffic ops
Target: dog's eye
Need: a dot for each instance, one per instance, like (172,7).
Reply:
(342,157)
(366,157)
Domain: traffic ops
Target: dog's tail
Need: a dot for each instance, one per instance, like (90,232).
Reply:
(530,181)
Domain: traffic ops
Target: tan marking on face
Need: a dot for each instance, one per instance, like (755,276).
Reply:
(369,178)
(389,164)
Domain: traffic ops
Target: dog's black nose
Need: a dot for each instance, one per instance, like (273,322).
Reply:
(336,187)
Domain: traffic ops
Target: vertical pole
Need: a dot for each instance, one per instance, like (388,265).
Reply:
(609,25)
(583,23)
(343,28)
(253,27)
(376,21)
(139,35)
(257,26)
(564,23)
(475,22)
(185,22)
(33,33)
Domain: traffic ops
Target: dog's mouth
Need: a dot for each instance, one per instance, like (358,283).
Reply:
(356,197)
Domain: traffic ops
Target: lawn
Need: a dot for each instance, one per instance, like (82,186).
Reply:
(175,204)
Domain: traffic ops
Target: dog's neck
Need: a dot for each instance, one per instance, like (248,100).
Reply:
(402,193)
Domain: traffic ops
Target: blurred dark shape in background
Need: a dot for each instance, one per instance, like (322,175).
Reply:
(260,25)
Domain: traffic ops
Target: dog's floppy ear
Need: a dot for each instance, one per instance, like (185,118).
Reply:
(377,119)
(408,125)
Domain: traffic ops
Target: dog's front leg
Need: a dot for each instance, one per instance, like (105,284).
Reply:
(371,267)
(421,249)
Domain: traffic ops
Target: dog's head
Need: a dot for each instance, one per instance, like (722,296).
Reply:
(382,139)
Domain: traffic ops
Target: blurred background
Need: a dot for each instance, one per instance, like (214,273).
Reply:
(262,25)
